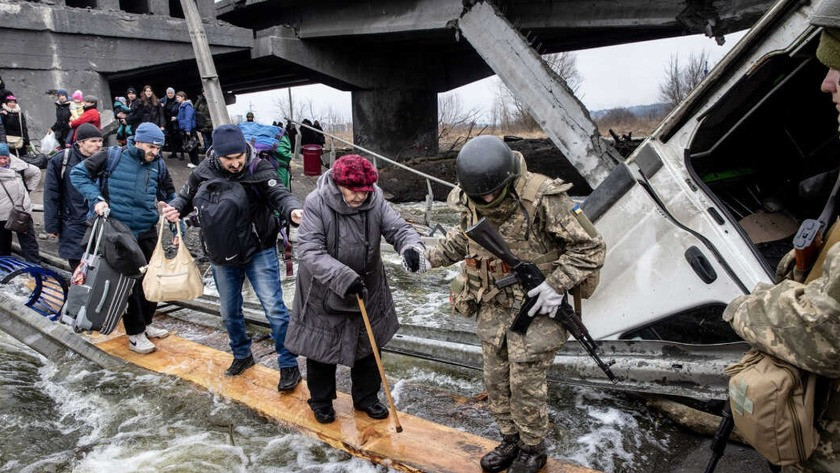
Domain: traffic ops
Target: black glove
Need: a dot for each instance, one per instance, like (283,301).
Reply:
(411,259)
(358,288)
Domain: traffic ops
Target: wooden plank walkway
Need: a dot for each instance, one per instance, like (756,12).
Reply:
(423,446)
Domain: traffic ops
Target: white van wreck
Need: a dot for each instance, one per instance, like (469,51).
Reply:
(704,209)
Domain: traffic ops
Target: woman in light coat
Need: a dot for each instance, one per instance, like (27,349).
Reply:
(344,219)
(19,179)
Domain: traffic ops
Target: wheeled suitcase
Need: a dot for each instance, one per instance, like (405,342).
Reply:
(98,294)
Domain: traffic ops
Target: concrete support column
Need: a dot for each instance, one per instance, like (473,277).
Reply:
(399,124)
(108,5)
(159,7)
(207,9)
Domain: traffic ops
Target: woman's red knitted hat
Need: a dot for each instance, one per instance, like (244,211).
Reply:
(355,173)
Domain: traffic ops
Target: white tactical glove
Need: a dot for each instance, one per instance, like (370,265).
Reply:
(548,300)
(414,259)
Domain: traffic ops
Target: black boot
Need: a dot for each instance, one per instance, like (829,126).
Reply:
(531,459)
(503,455)
(289,378)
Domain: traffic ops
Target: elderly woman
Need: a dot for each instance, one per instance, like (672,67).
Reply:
(344,219)
(17,179)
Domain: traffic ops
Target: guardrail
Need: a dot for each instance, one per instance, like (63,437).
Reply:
(376,156)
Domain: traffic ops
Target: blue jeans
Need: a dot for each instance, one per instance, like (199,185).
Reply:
(264,273)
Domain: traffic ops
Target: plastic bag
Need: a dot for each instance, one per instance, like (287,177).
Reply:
(49,143)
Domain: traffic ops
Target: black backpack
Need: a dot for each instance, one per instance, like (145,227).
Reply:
(228,235)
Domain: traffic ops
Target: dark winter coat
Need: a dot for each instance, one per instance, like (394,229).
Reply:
(307,136)
(14,121)
(265,194)
(203,122)
(134,186)
(151,113)
(135,115)
(62,119)
(186,116)
(65,209)
(170,109)
(2,132)
(315,331)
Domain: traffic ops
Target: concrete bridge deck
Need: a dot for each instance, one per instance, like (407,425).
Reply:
(395,56)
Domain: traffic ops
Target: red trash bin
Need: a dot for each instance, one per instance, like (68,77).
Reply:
(311,160)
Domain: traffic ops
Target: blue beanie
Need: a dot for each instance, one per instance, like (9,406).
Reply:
(149,133)
(4,150)
(62,92)
(227,140)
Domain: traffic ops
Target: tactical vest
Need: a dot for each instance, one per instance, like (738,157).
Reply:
(527,241)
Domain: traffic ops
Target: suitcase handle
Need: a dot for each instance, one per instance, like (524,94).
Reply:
(104,296)
(94,236)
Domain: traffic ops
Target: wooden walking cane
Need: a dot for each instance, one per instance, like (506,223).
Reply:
(391,406)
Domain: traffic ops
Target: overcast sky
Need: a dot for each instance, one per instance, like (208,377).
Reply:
(615,76)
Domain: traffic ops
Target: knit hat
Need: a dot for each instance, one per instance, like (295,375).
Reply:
(11,98)
(149,133)
(228,140)
(828,52)
(354,172)
(77,96)
(87,131)
(4,150)
(131,90)
(61,92)
(92,99)
(121,100)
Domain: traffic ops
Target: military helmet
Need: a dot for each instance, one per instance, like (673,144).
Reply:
(484,165)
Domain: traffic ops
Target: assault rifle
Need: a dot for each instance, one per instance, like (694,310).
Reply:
(529,276)
(727,423)
(809,238)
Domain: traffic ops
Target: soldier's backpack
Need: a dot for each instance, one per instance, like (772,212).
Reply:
(228,234)
(772,405)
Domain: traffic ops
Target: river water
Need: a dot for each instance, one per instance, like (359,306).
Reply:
(68,415)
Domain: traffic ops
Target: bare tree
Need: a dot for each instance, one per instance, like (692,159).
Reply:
(453,119)
(281,108)
(681,79)
(512,113)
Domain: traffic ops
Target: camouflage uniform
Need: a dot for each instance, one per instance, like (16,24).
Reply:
(515,366)
(800,323)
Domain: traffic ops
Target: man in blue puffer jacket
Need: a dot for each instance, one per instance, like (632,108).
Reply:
(136,182)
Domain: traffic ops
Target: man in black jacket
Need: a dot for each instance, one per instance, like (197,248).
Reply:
(65,209)
(233,160)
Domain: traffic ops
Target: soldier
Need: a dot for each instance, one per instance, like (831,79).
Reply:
(797,322)
(537,219)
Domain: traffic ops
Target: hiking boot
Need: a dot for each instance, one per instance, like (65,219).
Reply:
(374,410)
(324,414)
(503,455)
(239,365)
(531,459)
(140,344)
(289,378)
(156,332)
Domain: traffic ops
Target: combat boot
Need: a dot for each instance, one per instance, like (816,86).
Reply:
(531,459)
(503,455)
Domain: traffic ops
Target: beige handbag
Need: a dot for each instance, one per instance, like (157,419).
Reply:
(176,279)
